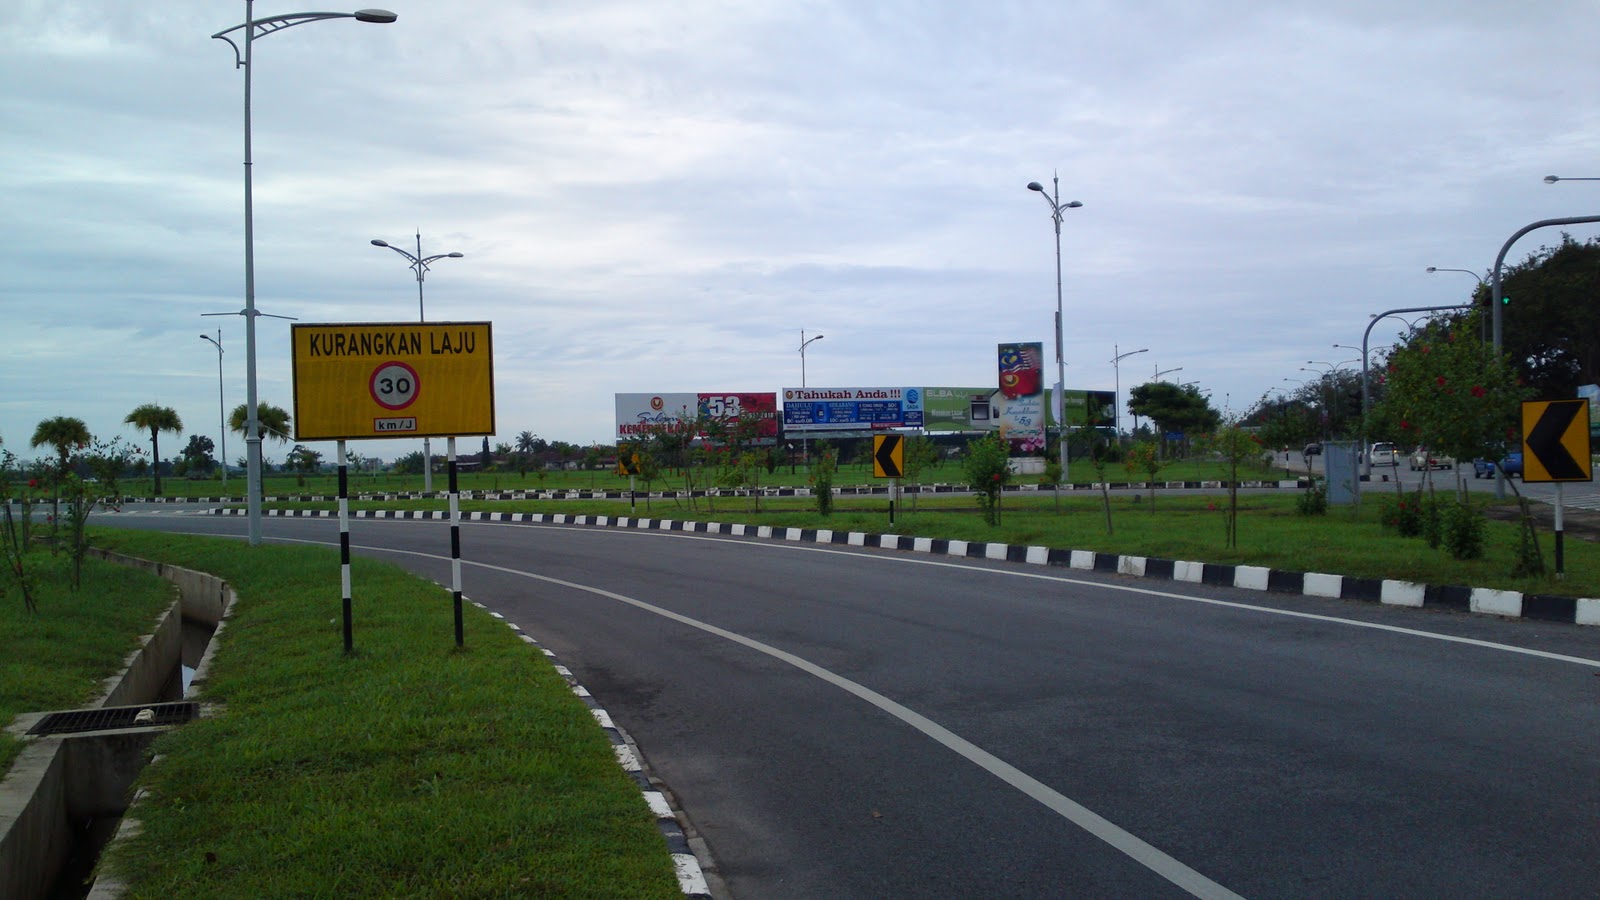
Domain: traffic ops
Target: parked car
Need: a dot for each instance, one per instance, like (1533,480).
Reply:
(1312,449)
(1484,468)
(1512,464)
(1423,458)
(1385,454)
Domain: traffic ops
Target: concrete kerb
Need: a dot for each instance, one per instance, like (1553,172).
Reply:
(60,779)
(1390,592)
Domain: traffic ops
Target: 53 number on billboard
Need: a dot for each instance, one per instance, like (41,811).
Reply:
(721,407)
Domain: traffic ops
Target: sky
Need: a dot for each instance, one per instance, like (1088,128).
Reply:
(663,196)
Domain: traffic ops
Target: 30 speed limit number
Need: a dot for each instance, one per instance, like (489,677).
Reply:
(394,385)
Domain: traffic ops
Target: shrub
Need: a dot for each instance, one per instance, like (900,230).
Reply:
(1314,500)
(1464,528)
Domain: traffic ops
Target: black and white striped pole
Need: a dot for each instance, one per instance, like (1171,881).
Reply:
(344,549)
(455,542)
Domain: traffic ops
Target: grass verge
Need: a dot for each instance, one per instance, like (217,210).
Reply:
(59,657)
(407,769)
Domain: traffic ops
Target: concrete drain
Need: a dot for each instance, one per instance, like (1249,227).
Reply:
(113,717)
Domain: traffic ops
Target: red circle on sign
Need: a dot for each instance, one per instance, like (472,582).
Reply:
(394,385)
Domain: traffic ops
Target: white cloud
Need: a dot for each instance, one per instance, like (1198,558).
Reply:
(660,196)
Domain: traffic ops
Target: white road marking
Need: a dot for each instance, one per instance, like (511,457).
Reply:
(1144,853)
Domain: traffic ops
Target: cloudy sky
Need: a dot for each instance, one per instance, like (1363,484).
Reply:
(660,196)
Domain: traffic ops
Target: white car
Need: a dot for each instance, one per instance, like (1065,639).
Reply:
(1385,454)
(1423,458)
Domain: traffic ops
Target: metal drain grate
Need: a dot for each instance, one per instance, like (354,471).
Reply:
(112,717)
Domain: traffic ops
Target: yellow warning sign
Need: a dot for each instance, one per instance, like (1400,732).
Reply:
(370,380)
(1555,441)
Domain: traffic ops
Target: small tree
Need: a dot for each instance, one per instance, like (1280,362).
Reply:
(1099,456)
(1236,447)
(823,464)
(920,454)
(1145,456)
(988,470)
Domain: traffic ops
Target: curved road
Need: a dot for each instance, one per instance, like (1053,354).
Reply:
(845,722)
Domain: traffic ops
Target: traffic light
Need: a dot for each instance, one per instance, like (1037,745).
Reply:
(1504,300)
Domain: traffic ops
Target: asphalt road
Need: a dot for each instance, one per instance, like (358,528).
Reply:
(855,723)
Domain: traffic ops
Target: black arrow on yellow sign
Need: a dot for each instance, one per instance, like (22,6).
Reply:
(1556,440)
(888,456)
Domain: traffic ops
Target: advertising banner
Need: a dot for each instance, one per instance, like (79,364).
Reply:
(641,415)
(978,408)
(365,380)
(851,409)
(1022,419)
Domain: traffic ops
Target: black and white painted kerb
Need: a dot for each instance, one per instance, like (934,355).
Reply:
(685,862)
(1388,591)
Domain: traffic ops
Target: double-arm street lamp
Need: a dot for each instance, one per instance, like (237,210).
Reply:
(419,263)
(1116,370)
(805,447)
(253,28)
(1056,209)
(222,415)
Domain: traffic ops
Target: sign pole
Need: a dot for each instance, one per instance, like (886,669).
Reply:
(455,541)
(1561,571)
(633,498)
(344,549)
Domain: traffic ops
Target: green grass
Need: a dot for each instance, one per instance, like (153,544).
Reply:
(59,657)
(948,472)
(1347,541)
(408,769)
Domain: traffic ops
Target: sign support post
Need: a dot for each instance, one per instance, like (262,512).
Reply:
(1561,568)
(344,549)
(455,541)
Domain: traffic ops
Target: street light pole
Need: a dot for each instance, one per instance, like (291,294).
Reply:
(222,415)
(243,60)
(1116,370)
(1056,209)
(805,449)
(420,264)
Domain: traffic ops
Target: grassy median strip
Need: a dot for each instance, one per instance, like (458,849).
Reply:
(59,657)
(1349,540)
(409,769)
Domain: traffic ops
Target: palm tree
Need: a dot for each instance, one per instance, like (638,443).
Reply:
(274,421)
(155,419)
(525,441)
(64,434)
(274,424)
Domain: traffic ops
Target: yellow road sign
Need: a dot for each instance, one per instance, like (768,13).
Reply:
(888,456)
(1555,441)
(627,460)
(392,379)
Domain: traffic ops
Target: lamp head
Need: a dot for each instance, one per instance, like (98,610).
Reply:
(1551,179)
(375,16)
(378,243)
(1432,269)
(457,255)
(1074,205)
(1035,186)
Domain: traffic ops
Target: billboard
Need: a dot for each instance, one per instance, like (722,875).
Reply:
(851,409)
(978,408)
(391,379)
(641,415)
(1022,422)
